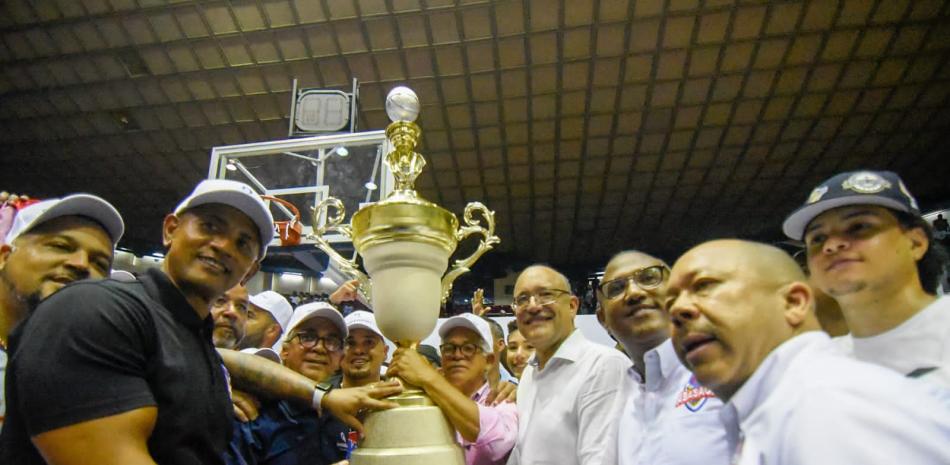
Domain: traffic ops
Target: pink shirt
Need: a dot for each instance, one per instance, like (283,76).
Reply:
(497,432)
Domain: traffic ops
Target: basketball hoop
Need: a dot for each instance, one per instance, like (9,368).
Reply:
(290,231)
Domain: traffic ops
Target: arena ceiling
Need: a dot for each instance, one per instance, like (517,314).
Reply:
(587,125)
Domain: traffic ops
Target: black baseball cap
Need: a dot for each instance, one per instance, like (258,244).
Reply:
(882,188)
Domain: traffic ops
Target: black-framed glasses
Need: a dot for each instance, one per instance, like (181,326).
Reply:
(647,278)
(468,349)
(310,340)
(542,297)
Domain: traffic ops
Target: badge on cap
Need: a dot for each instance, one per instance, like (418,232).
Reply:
(866,182)
(817,194)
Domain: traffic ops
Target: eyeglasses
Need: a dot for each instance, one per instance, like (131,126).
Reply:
(468,349)
(542,297)
(647,278)
(310,340)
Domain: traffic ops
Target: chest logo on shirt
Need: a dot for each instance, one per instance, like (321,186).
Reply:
(694,395)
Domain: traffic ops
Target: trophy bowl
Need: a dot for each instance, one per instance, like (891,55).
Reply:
(407,288)
(405,243)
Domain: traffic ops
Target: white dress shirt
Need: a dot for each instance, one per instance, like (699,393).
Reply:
(808,403)
(568,412)
(670,419)
(918,347)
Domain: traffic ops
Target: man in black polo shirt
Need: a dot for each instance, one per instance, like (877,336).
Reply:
(49,244)
(110,372)
(125,373)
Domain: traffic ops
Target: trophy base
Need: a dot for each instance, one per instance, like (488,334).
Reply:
(415,433)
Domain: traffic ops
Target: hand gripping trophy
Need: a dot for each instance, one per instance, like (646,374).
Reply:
(405,243)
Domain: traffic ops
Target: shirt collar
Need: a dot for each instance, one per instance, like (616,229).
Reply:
(571,349)
(481,392)
(161,288)
(769,373)
(659,362)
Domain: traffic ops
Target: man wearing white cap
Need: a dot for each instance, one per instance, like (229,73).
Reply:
(364,350)
(285,433)
(114,372)
(267,317)
(487,433)
(50,244)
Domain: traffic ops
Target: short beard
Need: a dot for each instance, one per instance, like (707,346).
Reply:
(360,374)
(22,304)
(225,342)
(849,288)
(251,342)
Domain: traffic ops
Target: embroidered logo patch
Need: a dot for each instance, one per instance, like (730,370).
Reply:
(817,194)
(866,182)
(694,395)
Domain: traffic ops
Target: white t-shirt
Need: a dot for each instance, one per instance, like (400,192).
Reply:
(808,403)
(670,419)
(568,412)
(918,347)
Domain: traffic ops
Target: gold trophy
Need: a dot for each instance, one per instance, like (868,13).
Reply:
(405,243)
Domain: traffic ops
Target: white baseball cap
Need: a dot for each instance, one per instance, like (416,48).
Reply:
(472,322)
(276,305)
(238,195)
(266,352)
(122,275)
(315,310)
(87,205)
(361,319)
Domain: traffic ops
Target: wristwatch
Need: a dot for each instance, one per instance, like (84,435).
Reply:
(320,390)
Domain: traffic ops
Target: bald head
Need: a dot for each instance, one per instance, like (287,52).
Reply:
(763,260)
(549,274)
(732,303)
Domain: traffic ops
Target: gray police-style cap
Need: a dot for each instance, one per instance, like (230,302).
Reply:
(881,188)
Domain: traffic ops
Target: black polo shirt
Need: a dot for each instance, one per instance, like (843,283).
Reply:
(99,348)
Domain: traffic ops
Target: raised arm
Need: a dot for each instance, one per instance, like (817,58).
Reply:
(265,378)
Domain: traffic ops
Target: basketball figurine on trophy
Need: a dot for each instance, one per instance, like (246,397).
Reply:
(405,242)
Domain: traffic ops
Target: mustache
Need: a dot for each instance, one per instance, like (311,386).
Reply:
(538,316)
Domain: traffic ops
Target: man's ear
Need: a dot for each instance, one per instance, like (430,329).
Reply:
(601,318)
(273,331)
(575,304)
(169,226)
(500,345)
(799,303)
(5,251)
(919,243)
(250,273)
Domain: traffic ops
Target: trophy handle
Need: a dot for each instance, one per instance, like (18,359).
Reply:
(334,223)
(472,226)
